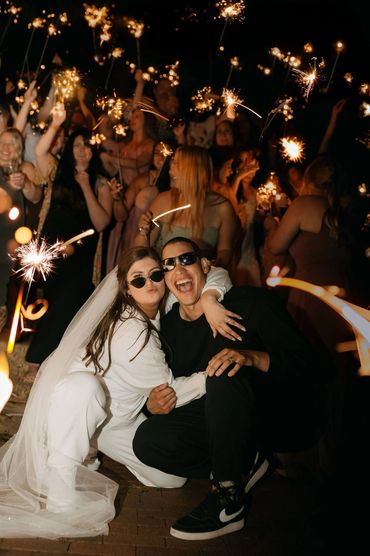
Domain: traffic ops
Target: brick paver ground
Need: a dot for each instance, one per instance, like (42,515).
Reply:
(276,523)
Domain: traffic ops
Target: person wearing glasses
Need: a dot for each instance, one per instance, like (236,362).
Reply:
(91,391)
(263,395)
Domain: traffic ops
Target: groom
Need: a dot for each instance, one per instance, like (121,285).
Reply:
(264,394)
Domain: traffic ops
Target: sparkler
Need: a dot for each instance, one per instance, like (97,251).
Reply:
(136,29)
(231,100)
(52,31)
(36,257)
(234,65)
(166,151)
(97,17)
(6,385)
(171,74)
(168,212)
(308,80)
(116,53)
(13,12)
(283,107)
(65,83)
(292,149)
(356,316)
(267,192)
(37,23)
(365,108)
(114,106)
(339,47)
(229,11)
(203,100)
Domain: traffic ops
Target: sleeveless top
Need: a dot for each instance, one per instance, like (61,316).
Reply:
(207,243)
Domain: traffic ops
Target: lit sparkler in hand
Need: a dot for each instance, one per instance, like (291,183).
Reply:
(229,11)
(39,257)
(136,29)
(116,53)
(234,65)
(267,192)
(36,257)
(65,84)
(292,149)
(98,18)
(283,107)
(356,316)
(339,47)
(171,74)
(307,80)
(230,100)
(13,12)
(203,100)
(113,106)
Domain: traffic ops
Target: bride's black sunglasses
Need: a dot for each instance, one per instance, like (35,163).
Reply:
(140,281)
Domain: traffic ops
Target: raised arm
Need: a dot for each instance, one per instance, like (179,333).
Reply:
(30,95)
(336,110)
(43,146)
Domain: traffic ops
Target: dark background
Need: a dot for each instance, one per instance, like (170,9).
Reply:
(189,31)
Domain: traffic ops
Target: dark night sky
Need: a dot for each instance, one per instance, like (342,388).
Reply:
(188,31)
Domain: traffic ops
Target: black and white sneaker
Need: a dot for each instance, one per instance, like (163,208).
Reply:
(261,468)
(220,513)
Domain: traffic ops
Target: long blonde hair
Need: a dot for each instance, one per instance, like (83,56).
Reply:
(195,174)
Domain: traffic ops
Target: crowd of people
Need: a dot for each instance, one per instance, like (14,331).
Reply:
(225,380)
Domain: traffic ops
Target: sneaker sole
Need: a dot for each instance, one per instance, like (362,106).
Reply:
(262,470)
(231,528)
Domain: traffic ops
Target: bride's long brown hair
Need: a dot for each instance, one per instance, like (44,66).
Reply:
(122,303)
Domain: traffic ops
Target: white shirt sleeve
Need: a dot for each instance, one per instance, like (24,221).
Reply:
(140,370)
(217,279)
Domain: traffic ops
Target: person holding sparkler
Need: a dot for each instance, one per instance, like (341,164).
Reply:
(93,388)
(17,185)
(210,218)
(132,158)
(80,199)
(140,194)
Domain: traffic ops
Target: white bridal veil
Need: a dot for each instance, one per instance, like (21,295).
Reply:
(24,473)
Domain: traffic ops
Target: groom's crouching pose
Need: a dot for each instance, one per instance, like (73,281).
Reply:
(263,394)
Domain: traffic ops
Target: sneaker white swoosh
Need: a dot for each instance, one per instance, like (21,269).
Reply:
(224,517)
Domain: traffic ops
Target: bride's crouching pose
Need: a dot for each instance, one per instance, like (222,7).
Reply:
(93,388)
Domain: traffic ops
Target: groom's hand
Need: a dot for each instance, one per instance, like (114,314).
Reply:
(161,400)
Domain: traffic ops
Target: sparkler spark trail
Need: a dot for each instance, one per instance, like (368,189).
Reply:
(168,212)
(6,385)
(230,100)
(15,321)
(356,316)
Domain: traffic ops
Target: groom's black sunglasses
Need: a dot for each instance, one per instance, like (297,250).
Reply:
(140,281)
(185,259)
